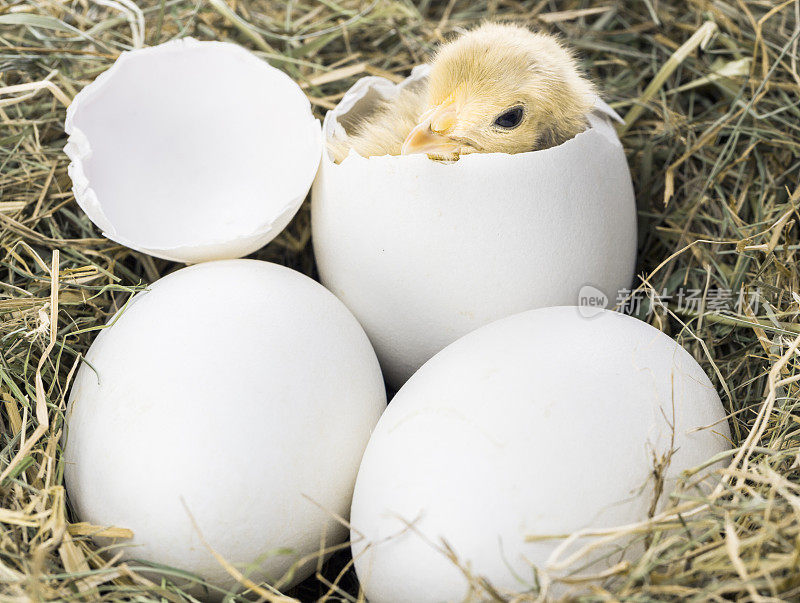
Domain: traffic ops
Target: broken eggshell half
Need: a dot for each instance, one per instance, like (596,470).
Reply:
(192,151)
(423,252)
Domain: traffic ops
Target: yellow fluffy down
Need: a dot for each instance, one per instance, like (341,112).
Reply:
(484,72)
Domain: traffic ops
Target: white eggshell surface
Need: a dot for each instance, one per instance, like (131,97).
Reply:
(424,252)
(543,423)
(240,392)
(192,151)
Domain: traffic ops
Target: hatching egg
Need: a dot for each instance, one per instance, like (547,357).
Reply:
(527,430)
(423,252)
(192,151)
(226,407)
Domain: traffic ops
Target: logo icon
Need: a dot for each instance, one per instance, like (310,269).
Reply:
(591,301)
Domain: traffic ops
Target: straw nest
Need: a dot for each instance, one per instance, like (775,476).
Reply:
(709,90)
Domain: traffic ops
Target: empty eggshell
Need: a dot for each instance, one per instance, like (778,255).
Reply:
(236,394)
(424,252)
(539,424)
(192,151)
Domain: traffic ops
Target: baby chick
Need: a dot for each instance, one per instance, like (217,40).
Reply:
(497,88)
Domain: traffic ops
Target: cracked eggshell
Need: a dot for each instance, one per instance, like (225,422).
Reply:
(424,252)
(192,151)
(239,391)
(543,423)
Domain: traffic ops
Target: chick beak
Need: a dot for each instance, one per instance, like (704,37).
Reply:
(428,135)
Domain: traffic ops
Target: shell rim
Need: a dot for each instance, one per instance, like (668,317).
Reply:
(600,111)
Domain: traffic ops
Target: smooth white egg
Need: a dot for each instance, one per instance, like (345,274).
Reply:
(192,151)
(540,424)
(424,252)
(239,393)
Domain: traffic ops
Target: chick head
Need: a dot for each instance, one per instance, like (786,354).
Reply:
(501,88)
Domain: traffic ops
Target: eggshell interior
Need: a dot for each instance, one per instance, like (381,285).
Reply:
(212,412)
(192,151)
(540,424)
(423,252)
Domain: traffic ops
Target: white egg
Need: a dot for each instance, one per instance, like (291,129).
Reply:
(424,252)
(543,423)
(192,151)
(238,393)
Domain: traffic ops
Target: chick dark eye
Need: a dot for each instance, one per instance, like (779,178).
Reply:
(510,119)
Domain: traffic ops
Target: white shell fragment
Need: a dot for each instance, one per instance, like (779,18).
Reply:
(192,151)
(424,252)
(540,424)
(227,406)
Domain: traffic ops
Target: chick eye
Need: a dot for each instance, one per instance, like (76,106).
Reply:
(509,119)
